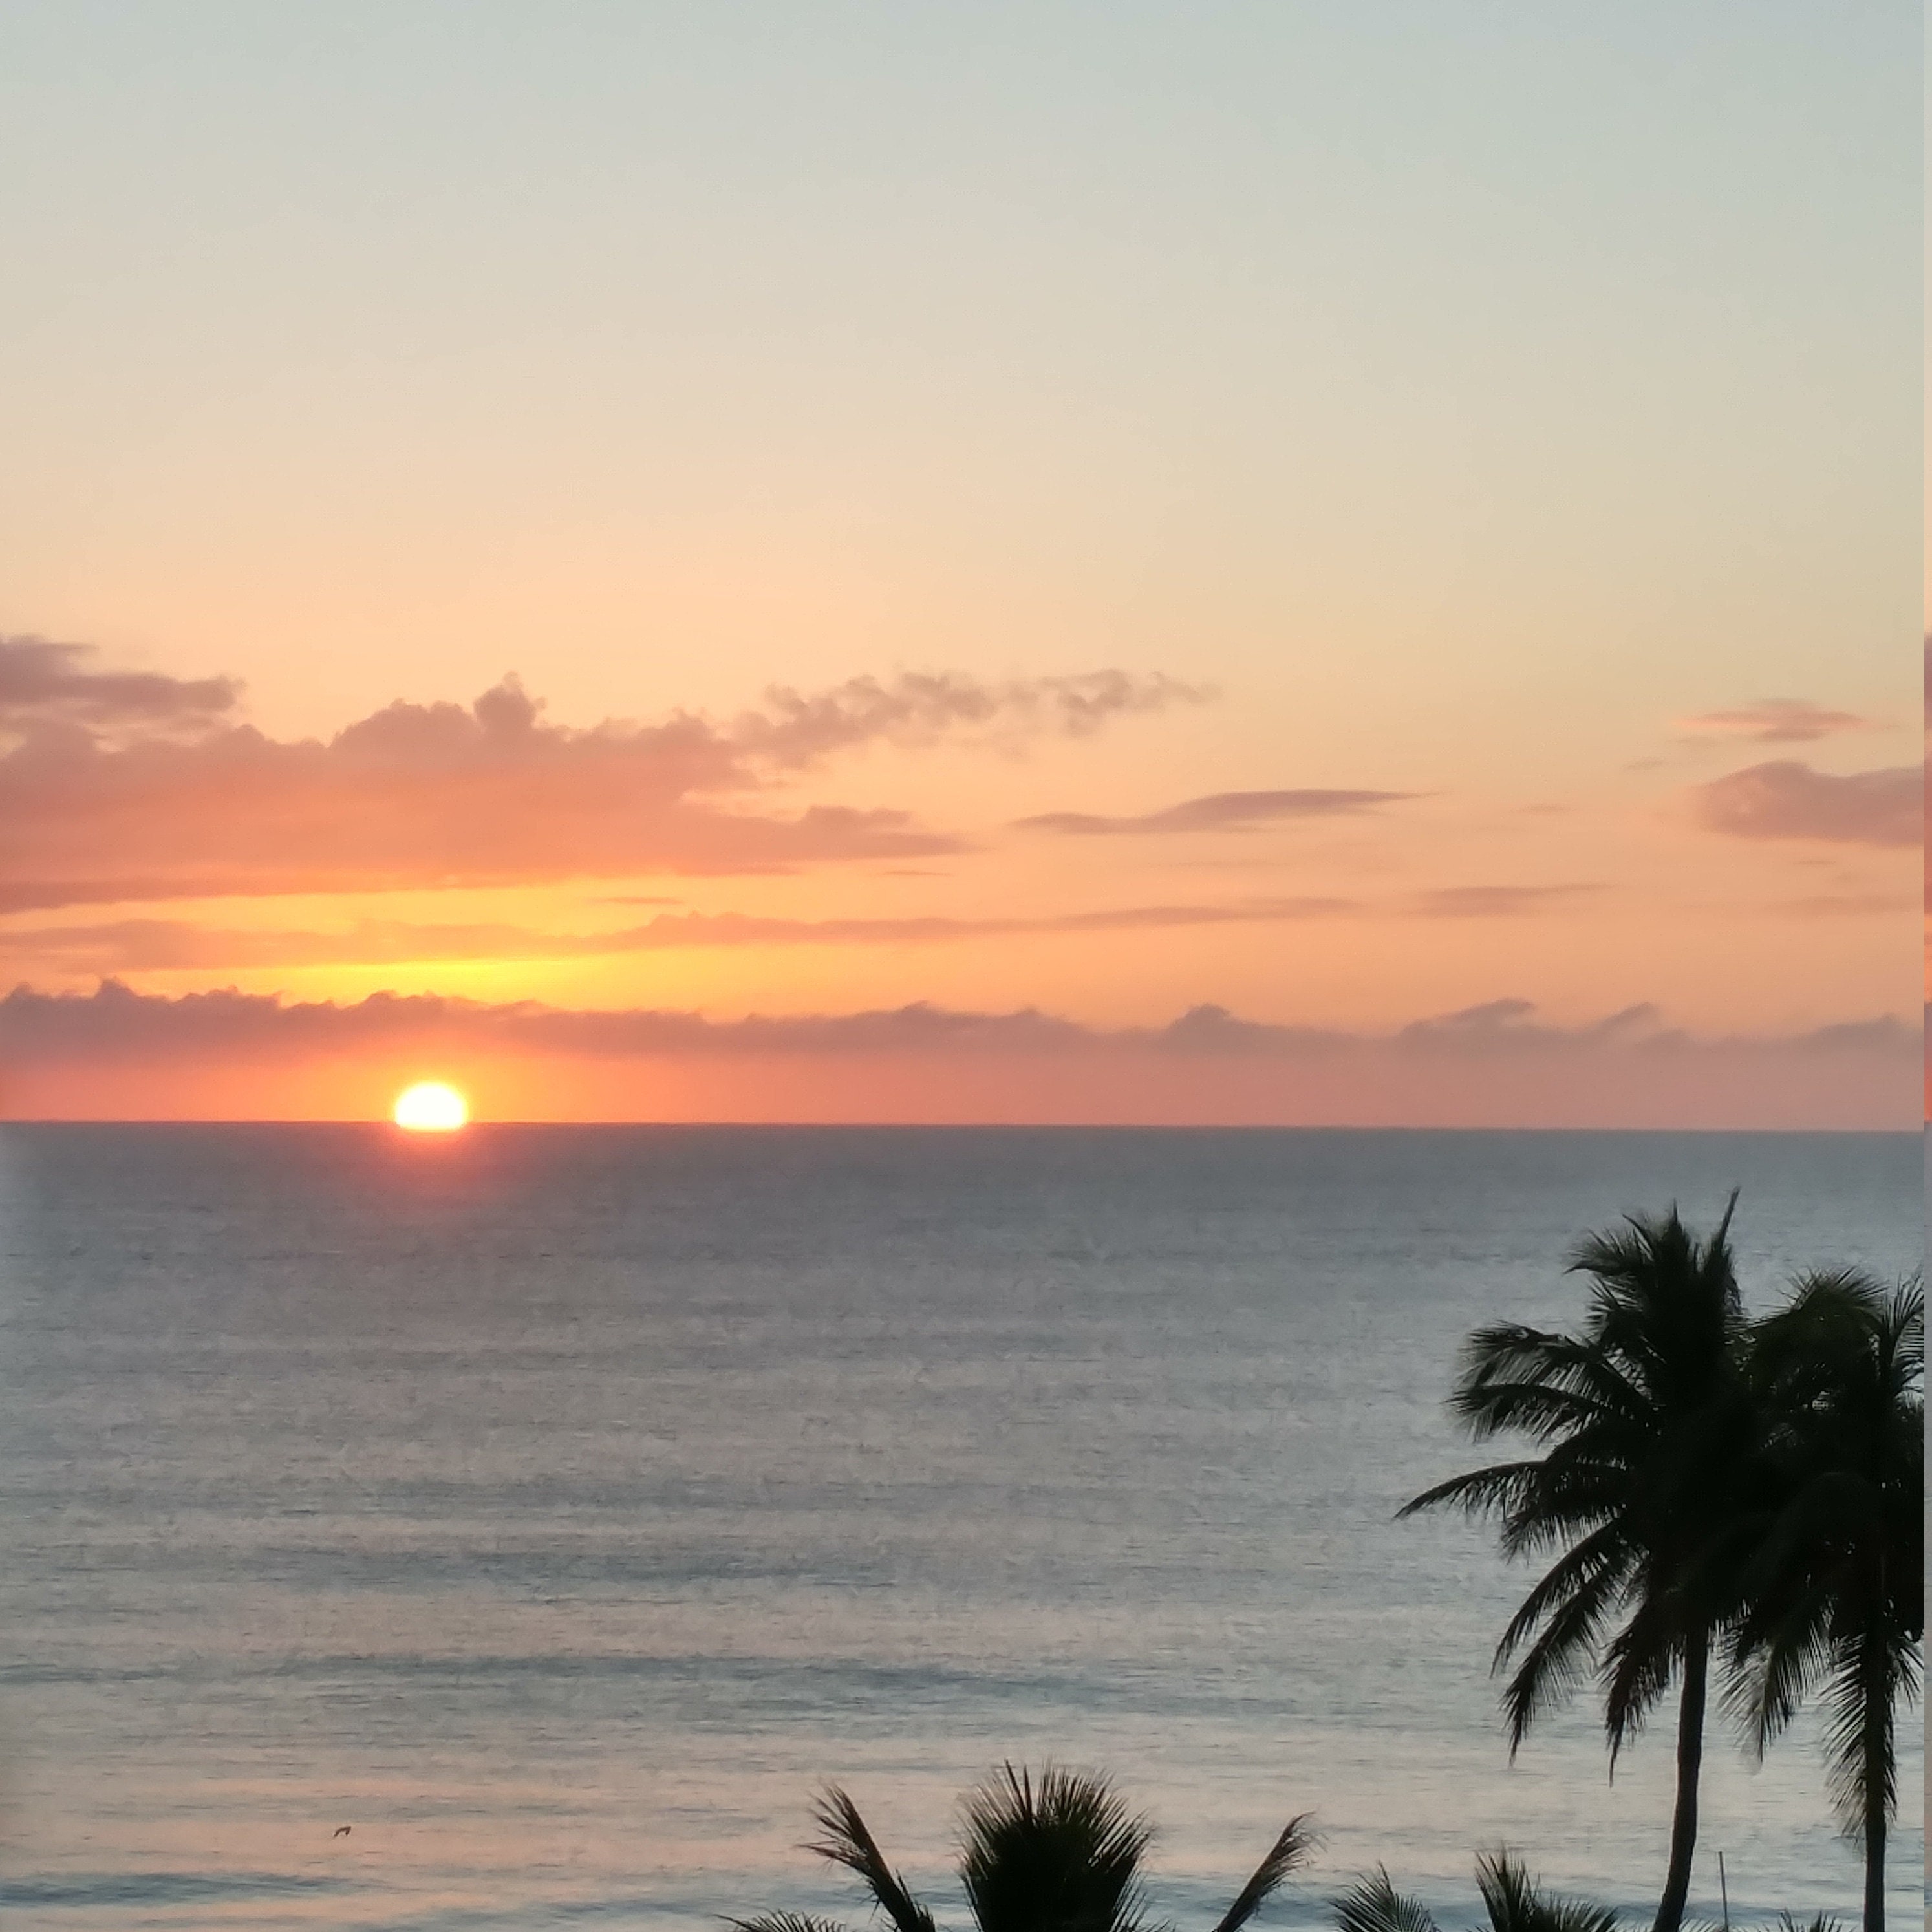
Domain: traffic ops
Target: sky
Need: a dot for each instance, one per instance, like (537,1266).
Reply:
(1272,563)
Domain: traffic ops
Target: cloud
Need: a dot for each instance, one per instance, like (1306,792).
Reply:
(1222,811)
(181,799)
(1849,905)
(917,708)
(1494,901)
(234,1054)
(1772,720)
(115,1020)
(1786,800)
(154,945)
(44,685)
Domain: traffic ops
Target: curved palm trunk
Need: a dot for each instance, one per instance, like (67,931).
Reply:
(1689,1763)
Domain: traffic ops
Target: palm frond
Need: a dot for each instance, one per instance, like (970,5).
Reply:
(1516,1904)
(1476,1491)
(1372,1904)
(846,1840)
(1905,1324)
(1555,1664)
(785,1921)
(1640,1663)
(1833,1587)
(1502,1362)
(1296,1841)
(1590,1572)
(1060,1855)
(1861,1770)
(1776,1653)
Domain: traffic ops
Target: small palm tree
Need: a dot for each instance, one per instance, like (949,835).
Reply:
(1513,1900)
(1061,1854)
(1836,1588)
(1645,1421)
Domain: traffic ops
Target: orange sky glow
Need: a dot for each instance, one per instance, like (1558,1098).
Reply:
(799,913)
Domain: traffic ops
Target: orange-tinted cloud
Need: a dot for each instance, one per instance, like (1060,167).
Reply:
(1222,811)
(111,946)
(1786,799)
(1773,721)
(414,795)
(116,1053)
(151,945)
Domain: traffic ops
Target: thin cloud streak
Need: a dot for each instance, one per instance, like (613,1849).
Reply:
(140,945)
(136,945)
(1772,720)
(1495,902)
(1848,905)
(1220,812)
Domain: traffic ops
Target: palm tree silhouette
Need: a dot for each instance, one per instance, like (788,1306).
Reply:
(1646,1422)
(1835,1591)
(1514,1902)
(1060,1854)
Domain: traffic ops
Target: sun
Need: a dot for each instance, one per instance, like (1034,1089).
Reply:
(429,1107)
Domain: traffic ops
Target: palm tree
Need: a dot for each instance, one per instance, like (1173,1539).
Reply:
(1835,1589)
(1645,1421)
(1060,1855)
(1513,1900)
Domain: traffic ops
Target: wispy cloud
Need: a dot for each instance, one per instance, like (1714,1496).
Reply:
(797,729)
(1220,812)
(1786,799)
(1772,720)
(120,787)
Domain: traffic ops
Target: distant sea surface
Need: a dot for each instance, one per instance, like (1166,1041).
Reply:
(558,1508)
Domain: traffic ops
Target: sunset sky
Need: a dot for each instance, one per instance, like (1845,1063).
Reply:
(1049,562)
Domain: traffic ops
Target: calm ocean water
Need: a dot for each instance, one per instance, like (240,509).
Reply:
(557,1506)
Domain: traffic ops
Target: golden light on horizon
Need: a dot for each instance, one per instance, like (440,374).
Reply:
(431,1107)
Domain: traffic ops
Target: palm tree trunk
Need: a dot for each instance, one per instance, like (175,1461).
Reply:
(1877,1753)
(1689,1763)
(1875,1869)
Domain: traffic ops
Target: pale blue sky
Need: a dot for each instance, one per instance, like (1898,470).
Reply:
(1044,285)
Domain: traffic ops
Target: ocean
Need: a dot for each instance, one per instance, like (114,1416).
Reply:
(559,1508)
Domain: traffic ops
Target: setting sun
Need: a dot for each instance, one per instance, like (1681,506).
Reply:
(429,1107)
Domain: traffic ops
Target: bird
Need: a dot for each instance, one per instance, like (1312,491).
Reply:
(340,1831)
